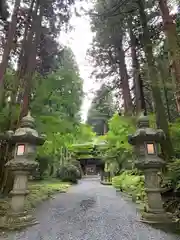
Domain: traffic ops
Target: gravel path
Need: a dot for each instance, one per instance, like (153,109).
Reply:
(89,211)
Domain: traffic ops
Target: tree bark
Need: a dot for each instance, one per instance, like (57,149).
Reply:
(16,83)
(28,40)
(29,20)
(27,70)
(31,66)
(7,178)
(164,77)
(173,47)
(128,107)
(161,119)
(3,147)
(8,47)
(28,65)
(138,83)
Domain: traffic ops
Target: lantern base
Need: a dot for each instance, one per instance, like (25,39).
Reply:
(156,218)
(15,221)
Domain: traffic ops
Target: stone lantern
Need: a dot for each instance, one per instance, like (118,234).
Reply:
(26,139)
(146,144)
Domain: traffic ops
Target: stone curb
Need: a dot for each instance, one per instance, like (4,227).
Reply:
(106,183)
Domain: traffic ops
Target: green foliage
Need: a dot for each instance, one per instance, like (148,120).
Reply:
(76,164)
(175,135)
(9,113)
(38,192)
(173,173)
(152,120)
(68,173)
(84,133)
(130,183)
(79,149)
(56,105)
(118,149)
(119,129)
(101,110)
(43,166)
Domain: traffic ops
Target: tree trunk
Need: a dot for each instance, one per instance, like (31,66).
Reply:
(161,119)
(8,47)
(7,179)
(173,48)
(3,146)
(28,40)
(16,83)
(164,78)
(138,83)
(27,70)
(31,65)
(29,20)
(51,170)
(128,107)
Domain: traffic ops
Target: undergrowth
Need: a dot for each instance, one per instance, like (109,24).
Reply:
(132,184)
(38,192)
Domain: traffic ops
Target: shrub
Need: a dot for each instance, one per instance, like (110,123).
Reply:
(130,183)
(68,173)
(175,135)
(40,172)
(78,165)
(173,173)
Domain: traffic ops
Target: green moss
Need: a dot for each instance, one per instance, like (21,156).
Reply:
(40,191)
(89,149)
(88,156)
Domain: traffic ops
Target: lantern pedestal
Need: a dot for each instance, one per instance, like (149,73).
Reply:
(154,213)
(25,139)
(16,217)
(145,142)
(15,221)
(156,218)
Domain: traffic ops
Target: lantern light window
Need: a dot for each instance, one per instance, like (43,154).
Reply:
(150,148)
(20,150)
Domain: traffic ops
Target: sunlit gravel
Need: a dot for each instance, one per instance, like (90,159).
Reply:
(89,211)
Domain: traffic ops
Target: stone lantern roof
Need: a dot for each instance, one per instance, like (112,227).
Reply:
(145,133)
(27,133)
(28,121)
